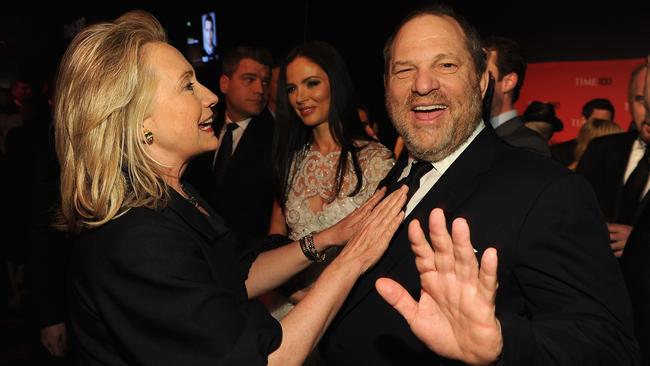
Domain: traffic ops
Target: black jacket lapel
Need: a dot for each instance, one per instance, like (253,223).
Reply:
(468,169)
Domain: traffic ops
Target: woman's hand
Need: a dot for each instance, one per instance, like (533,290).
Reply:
(339,233)
(370,242)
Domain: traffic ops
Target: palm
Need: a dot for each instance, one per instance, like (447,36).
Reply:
(455,314)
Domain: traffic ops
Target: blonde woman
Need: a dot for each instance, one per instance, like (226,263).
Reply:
(589,131)
(155,278)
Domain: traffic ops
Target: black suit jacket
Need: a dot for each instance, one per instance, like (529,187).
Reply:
(603,164)
(635,263)
(561,298)
(515,133)
(564,151)
(244,195)
(166,288)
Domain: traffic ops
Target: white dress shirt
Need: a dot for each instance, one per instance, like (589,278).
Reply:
(439,168)
(638,149)
(236,134)
(497,121)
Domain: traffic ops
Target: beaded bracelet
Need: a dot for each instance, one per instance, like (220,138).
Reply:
(309,249)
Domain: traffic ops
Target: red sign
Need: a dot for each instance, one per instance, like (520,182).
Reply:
(569,85)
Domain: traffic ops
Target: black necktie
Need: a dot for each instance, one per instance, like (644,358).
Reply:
(225,151)
(633,189)
(412,180)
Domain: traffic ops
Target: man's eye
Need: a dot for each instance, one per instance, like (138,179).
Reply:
(448,67)
(403,73)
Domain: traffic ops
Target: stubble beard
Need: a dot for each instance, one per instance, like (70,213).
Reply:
(435,142)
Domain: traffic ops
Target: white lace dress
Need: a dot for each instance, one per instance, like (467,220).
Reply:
(316,177)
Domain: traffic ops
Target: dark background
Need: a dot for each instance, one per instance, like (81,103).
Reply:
(31,44)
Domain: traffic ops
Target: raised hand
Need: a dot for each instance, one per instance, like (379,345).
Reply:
(455,316)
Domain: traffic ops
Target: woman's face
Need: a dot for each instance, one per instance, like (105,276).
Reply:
(308,90)
(181,115)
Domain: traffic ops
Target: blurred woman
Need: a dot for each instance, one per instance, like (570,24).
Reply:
(590,130)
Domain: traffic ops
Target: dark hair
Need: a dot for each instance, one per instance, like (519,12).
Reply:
(598,103)
(472,39)
(509,59)
(233,57)
(292,135)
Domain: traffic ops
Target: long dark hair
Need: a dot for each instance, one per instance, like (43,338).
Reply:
(292,135)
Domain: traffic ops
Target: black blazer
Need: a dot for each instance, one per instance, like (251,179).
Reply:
(564,152)
(635,263)
(244,196)
(516,134)
(603,164)
(166,288)
(561,297)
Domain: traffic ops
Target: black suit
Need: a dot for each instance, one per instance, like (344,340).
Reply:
(166,288)
(514,132)
(561,297)
(635,263)
(603,164)
(244,195)
(564,152)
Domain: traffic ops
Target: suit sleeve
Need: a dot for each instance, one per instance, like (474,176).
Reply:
(166,305)
(577,308)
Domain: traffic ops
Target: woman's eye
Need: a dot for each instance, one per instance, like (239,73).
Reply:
(290,89)
(189,86)
(313,83)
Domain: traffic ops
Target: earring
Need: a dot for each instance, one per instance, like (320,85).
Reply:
(148,137)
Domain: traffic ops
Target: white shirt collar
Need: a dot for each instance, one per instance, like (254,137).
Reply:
(497,121)
(439,168)
(242,124)
(442,165)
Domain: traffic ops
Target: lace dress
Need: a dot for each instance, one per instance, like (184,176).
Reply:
(316,177)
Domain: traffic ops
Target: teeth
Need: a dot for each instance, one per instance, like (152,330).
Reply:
(207,122)
(426,108)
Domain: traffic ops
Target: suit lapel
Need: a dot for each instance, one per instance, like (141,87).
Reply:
(254,136)
(449,193)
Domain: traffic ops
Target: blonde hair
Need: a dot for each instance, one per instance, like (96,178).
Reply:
(103,94)
(592,129)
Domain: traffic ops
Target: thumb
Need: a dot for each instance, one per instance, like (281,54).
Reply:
(397,297)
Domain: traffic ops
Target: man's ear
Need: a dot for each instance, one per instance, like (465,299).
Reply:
(509,82)
(484,82)
(224,83)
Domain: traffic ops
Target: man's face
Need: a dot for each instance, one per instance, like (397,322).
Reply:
(246,90)
(600,114)
(433,94)
(21,91)
(637,105)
